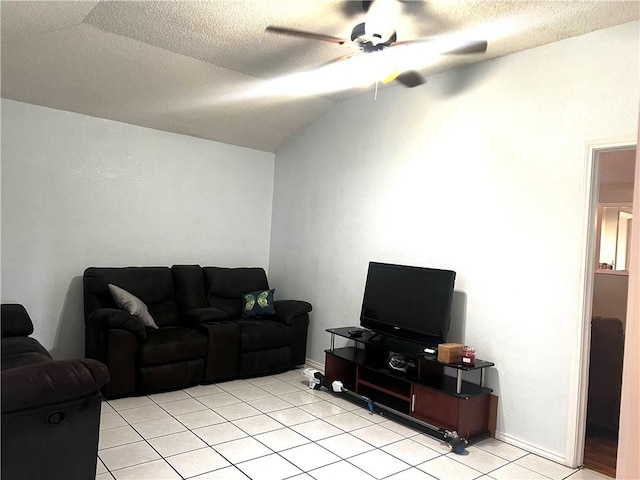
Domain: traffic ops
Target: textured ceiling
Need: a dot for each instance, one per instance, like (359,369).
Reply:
(189,67)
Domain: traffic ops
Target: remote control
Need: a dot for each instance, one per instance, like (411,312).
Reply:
(355,333)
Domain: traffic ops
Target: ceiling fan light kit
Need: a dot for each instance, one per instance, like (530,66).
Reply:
(377,34)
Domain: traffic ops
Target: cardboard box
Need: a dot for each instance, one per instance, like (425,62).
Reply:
(450,352)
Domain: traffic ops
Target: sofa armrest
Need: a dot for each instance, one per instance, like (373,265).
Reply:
(288,310)
(199,316)
(51,383)
(108,318)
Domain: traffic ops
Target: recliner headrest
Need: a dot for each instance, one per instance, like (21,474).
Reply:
(15,321)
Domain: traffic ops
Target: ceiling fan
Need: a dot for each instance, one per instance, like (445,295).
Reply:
(377,33)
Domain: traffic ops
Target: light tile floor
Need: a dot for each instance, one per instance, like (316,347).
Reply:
(275,427)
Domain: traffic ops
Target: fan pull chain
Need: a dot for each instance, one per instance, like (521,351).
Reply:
(375,94)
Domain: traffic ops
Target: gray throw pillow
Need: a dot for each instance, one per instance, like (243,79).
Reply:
(132,305)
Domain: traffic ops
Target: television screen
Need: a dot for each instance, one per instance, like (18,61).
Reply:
(412,303)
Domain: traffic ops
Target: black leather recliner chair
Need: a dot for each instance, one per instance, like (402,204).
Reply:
(50,409)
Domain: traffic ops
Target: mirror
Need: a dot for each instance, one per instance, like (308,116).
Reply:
(615,233)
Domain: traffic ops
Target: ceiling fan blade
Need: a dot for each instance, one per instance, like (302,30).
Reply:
(341,58)
(410,79)
(391,77)
(470,47)
(476,46)
(303,34)
(419,41)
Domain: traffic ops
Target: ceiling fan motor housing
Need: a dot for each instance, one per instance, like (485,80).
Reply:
(367,44)
(380,21)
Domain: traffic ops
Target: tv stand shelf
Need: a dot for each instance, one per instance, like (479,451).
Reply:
(425,392)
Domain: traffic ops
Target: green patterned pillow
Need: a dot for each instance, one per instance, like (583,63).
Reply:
(258,304)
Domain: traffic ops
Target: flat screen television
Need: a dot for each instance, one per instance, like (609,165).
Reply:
(411,303)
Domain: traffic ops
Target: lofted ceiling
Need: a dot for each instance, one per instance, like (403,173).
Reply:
(209,69)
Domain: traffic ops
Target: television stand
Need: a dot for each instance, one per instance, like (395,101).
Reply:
(425,394)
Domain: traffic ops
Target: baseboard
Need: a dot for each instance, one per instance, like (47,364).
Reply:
(554,457)
(314,364)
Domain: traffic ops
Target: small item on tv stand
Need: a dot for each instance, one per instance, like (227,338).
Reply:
(450,352)
(430,350)
(356,332)
(469,355)
(400,363)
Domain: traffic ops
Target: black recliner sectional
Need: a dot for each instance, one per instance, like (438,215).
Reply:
(201,337)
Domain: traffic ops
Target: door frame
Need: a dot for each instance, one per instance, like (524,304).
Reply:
(578,386)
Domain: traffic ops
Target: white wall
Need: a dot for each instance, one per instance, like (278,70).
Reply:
(78,191)
(481,170)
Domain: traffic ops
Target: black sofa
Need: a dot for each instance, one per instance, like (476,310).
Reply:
(201,337)
(50,409)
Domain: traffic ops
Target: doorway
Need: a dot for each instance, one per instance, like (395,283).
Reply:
(615,182)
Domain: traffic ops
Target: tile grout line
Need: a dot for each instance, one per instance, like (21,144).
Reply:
(147,442)
(299,406)
(206,443)
(228,421)
(252,436)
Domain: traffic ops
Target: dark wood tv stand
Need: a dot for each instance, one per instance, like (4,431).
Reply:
(426,393)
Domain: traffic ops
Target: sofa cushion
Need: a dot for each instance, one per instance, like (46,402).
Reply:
(165,314)
(188,282)
(172,344)
(263,334)
(152,285)
(258,304)
(224,287)
(132,305)
(203,315)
